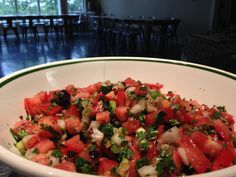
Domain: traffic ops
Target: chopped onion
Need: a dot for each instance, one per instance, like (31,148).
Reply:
(30,153)
(137,108)
(183,155)
(116,138)
(170,136)
(61,123)
(149,170)
(97,135)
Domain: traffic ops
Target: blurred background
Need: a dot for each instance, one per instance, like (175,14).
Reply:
(40,31)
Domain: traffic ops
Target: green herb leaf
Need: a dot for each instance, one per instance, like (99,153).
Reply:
(154,94)
(141,162)
(107,129)
(57,153)
(106,89)
(174,122)
(82,165)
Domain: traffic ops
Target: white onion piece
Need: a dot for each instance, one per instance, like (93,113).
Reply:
(116,138)
(61,123)
(170,136)
(149,170)
(97,135)
(94,124)
(53,160)
(183,155)
(137,108)
(130,89)
(29,154)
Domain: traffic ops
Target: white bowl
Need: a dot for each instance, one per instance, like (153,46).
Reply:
(206,84)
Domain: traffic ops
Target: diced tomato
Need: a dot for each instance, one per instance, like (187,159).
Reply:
(141,90)
(120,99)
(130,82)
(196,157)
(169,114)
(34,139)
(67,165)
(71,89)
(105,166)
(44,145)
(206,144)
(121,113)
(97,107)
(73,125)
(74,144)
(92,88)
(85,155)
(49,121)
(156,86)
(25,125)
(221,129)
(132,169)
(33,104)
(184,117)
(82,95)
(200,120)
(177,160)
(152,150)
(224,159)
(73,111)
(50,110)
(150,118)
(160,129)
(103,117)
(228,117)
(131,125)
(110,95)
(41,158)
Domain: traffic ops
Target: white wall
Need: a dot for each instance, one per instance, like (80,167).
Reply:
(196,15)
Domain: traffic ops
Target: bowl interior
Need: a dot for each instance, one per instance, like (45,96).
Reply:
(203,85)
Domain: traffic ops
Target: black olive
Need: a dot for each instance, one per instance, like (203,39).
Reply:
(62,98)
(94,154)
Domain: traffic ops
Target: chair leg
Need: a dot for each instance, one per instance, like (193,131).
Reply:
(5,33)
(16,32)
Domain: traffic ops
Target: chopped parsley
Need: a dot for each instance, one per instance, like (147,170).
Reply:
(141,162)
(107,129)
(82,165)
(121,152)
(106,89)
(165,164)
(154,94)
(57,153)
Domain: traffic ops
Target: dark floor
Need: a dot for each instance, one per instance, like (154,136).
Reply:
(18,54)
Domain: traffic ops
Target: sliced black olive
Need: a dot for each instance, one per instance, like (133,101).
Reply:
(62,98)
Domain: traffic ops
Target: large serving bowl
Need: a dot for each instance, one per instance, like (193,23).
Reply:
(205,84)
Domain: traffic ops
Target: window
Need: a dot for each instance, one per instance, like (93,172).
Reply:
(76,6)
(35,7)
(27,7)
(48,7)
(7,7)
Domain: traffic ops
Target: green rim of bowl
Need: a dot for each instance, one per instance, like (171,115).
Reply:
(102,59)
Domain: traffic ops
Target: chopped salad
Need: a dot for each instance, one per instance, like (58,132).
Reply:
(127,128)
